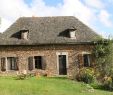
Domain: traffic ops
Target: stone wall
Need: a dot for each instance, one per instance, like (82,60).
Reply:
(23,52)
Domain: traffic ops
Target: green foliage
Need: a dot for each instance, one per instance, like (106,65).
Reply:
(108,83)
(103,52)
(21,77)
(86,75)
(24,76)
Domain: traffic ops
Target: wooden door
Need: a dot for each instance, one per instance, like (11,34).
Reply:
(62,65)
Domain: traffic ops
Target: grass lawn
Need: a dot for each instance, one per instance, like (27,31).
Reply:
(44,86)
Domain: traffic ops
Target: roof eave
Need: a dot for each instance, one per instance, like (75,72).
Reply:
(41,44)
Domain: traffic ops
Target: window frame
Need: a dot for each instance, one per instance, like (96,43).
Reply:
(87,62)
(40,62)
(13,64)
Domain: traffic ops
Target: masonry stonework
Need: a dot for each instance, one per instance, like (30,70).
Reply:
(49,52)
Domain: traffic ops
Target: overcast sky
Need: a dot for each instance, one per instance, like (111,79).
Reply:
(97,14)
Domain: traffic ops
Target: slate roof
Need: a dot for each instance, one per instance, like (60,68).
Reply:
(47,30)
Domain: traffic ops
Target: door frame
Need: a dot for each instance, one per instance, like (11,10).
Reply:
(67,65)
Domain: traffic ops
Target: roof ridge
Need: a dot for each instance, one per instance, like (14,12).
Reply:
(46,16)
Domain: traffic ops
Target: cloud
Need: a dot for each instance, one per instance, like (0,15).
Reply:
(14,8)
(39,8)
(10,10)
(18,8)
(98,4)
(5,24)
(85,10)
(110,1)
(78,9)
(104,17)
(68,8)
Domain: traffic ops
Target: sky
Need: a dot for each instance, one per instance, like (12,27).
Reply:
(97,14)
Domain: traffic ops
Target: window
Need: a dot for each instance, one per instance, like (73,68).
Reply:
(30,63)
(87,60)
(38,62)
(3,64)
(12,63)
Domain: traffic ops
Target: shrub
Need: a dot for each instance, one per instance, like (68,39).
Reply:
(108,83)
(24,76)
(87,88)
(86,75)
(21,76)
(103,53)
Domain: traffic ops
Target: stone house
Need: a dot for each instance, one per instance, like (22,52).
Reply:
(55,45)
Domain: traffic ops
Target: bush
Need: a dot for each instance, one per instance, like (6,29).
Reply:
(108,83)
(24,76)
(103,54)
(21,76)
(86,75)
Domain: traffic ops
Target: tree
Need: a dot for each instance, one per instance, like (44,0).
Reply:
(103,52)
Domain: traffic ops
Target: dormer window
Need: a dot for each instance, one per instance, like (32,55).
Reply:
(69,33)
(72,33)
(24,34)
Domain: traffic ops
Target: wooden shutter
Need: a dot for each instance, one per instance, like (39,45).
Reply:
(92,60)
(3,64)
(16,63)
(80,58)
(30,63)
(44,63)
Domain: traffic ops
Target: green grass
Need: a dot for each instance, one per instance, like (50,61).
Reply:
(45,86)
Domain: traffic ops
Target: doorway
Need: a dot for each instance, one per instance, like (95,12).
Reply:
(62,65)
